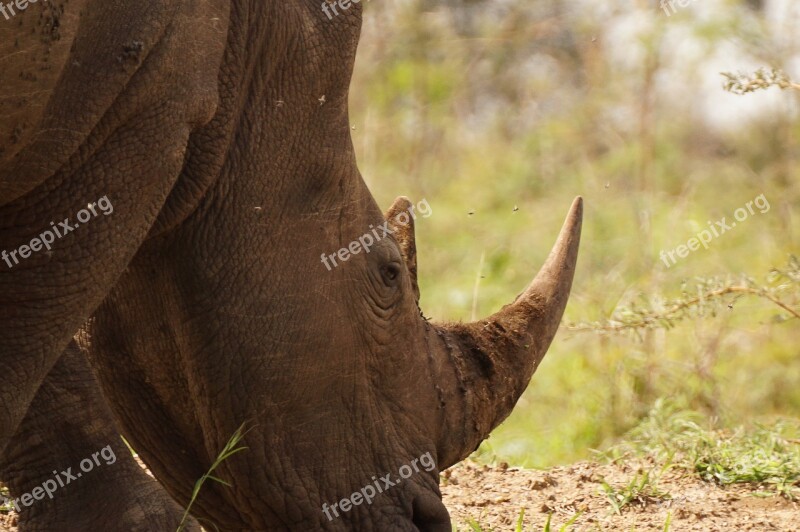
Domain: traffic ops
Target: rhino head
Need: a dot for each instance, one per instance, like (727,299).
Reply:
(384,391)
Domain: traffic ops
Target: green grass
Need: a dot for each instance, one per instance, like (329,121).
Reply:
(231,448)
(547,527)
(475,526)
(764,456)
(641,490)
(4,495)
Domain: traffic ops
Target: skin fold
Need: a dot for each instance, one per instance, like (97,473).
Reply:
(220,133)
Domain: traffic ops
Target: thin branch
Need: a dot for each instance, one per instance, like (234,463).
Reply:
(632,319)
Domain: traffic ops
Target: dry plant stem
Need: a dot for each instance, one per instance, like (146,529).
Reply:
(684,305)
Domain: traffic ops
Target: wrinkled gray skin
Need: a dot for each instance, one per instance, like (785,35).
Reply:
(204,124)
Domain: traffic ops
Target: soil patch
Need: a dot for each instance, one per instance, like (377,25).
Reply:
(494,497)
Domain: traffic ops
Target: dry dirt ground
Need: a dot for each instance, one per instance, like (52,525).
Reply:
(494,496)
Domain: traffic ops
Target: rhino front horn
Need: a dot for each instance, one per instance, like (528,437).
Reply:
(487,364)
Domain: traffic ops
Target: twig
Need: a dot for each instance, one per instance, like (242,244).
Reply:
(650,317)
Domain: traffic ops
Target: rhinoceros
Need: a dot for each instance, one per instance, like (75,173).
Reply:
(170,175)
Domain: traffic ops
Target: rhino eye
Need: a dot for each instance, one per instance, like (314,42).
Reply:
(390,273)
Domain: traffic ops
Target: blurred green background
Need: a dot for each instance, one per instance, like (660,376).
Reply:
(499,112)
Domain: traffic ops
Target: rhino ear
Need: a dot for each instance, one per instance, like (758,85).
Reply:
(400,217)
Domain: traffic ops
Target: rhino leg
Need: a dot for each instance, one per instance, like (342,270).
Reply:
(70,430)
